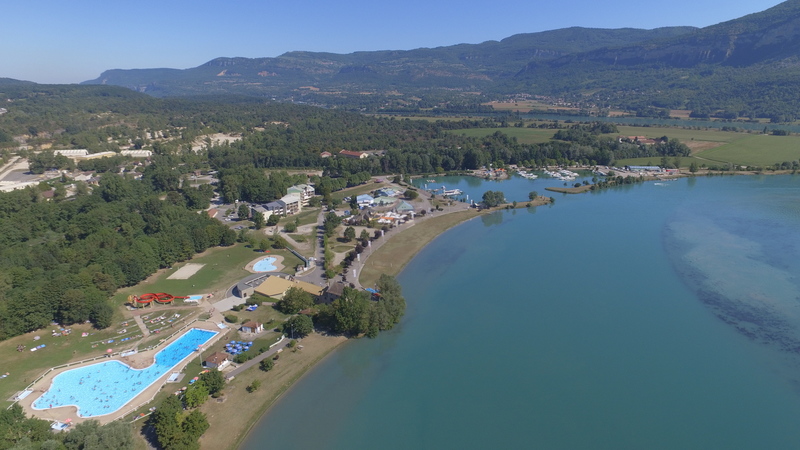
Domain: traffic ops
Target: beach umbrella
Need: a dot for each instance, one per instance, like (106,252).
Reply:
(109,351)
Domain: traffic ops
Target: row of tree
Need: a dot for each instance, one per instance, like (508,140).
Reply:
(20,432)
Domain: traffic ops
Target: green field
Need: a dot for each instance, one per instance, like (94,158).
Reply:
(681,134)
(756,150)
(222,264)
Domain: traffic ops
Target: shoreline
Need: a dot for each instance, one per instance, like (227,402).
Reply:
(269,402)
(231,423)
(435,226)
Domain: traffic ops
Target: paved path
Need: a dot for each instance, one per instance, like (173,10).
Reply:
(376,244)
(227,303)
(138,319)
(258,359)
(317,275)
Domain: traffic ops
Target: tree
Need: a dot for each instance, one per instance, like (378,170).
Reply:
(243,211)
(196,394)
(532,195)
(254,386)
(493,198)
(351,312)
(298,326)
(331,222)
(364,236)
(266,364)
(349,234)
(165,422)
(693,167)
(294,301)
(290,227)
(102,315)
(263,245)
(214,381)
(91,435)
(411,194)
(279,243)
(194,425)
(273,220)
(258,220)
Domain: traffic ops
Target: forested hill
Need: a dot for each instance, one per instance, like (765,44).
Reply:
(747,67)
(463,66)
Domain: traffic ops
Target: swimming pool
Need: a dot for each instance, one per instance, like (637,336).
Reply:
(104,388)
(195,298)
(265,265)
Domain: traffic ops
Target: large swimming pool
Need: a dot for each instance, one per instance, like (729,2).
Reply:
(104,388)
(265,265)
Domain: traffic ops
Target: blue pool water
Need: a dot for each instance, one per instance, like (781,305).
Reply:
(265,265)
(195,297)
(103,388)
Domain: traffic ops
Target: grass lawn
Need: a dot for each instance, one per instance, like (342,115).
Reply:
(307,217)
(232,419)
(395,253)
(23,367)
(523,135)
(223,267)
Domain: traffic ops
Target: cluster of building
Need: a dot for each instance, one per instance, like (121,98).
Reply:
(383,197)
(296,198)
(81,154)
(346,154)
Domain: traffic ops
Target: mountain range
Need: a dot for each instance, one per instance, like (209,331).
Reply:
(744,67)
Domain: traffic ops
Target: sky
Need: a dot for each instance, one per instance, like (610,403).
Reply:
(58,41)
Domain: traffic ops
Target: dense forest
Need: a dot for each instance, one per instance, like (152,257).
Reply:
(61,260)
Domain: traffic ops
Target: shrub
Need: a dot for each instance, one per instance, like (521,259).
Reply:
(231,318)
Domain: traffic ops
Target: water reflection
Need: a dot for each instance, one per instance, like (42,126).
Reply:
(495,218)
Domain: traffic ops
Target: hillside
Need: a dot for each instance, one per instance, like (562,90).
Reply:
(460,67)
(747,67)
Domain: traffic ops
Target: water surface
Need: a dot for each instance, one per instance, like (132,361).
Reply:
(648,316)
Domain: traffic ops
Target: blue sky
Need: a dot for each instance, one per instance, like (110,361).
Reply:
(58,41)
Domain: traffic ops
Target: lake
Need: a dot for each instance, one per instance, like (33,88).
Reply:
(660,315)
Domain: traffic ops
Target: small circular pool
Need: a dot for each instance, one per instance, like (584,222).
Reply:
(265,265)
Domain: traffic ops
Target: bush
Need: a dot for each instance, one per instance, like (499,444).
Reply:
(231,318)
(242,357)
(266,365)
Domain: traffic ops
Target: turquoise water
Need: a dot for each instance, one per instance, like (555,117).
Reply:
(104,388)
(265,265)
(644,317)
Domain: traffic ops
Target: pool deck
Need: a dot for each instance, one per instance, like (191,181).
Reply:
(138,361)
(278,263)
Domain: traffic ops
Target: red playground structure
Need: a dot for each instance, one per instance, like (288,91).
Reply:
(147,299)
